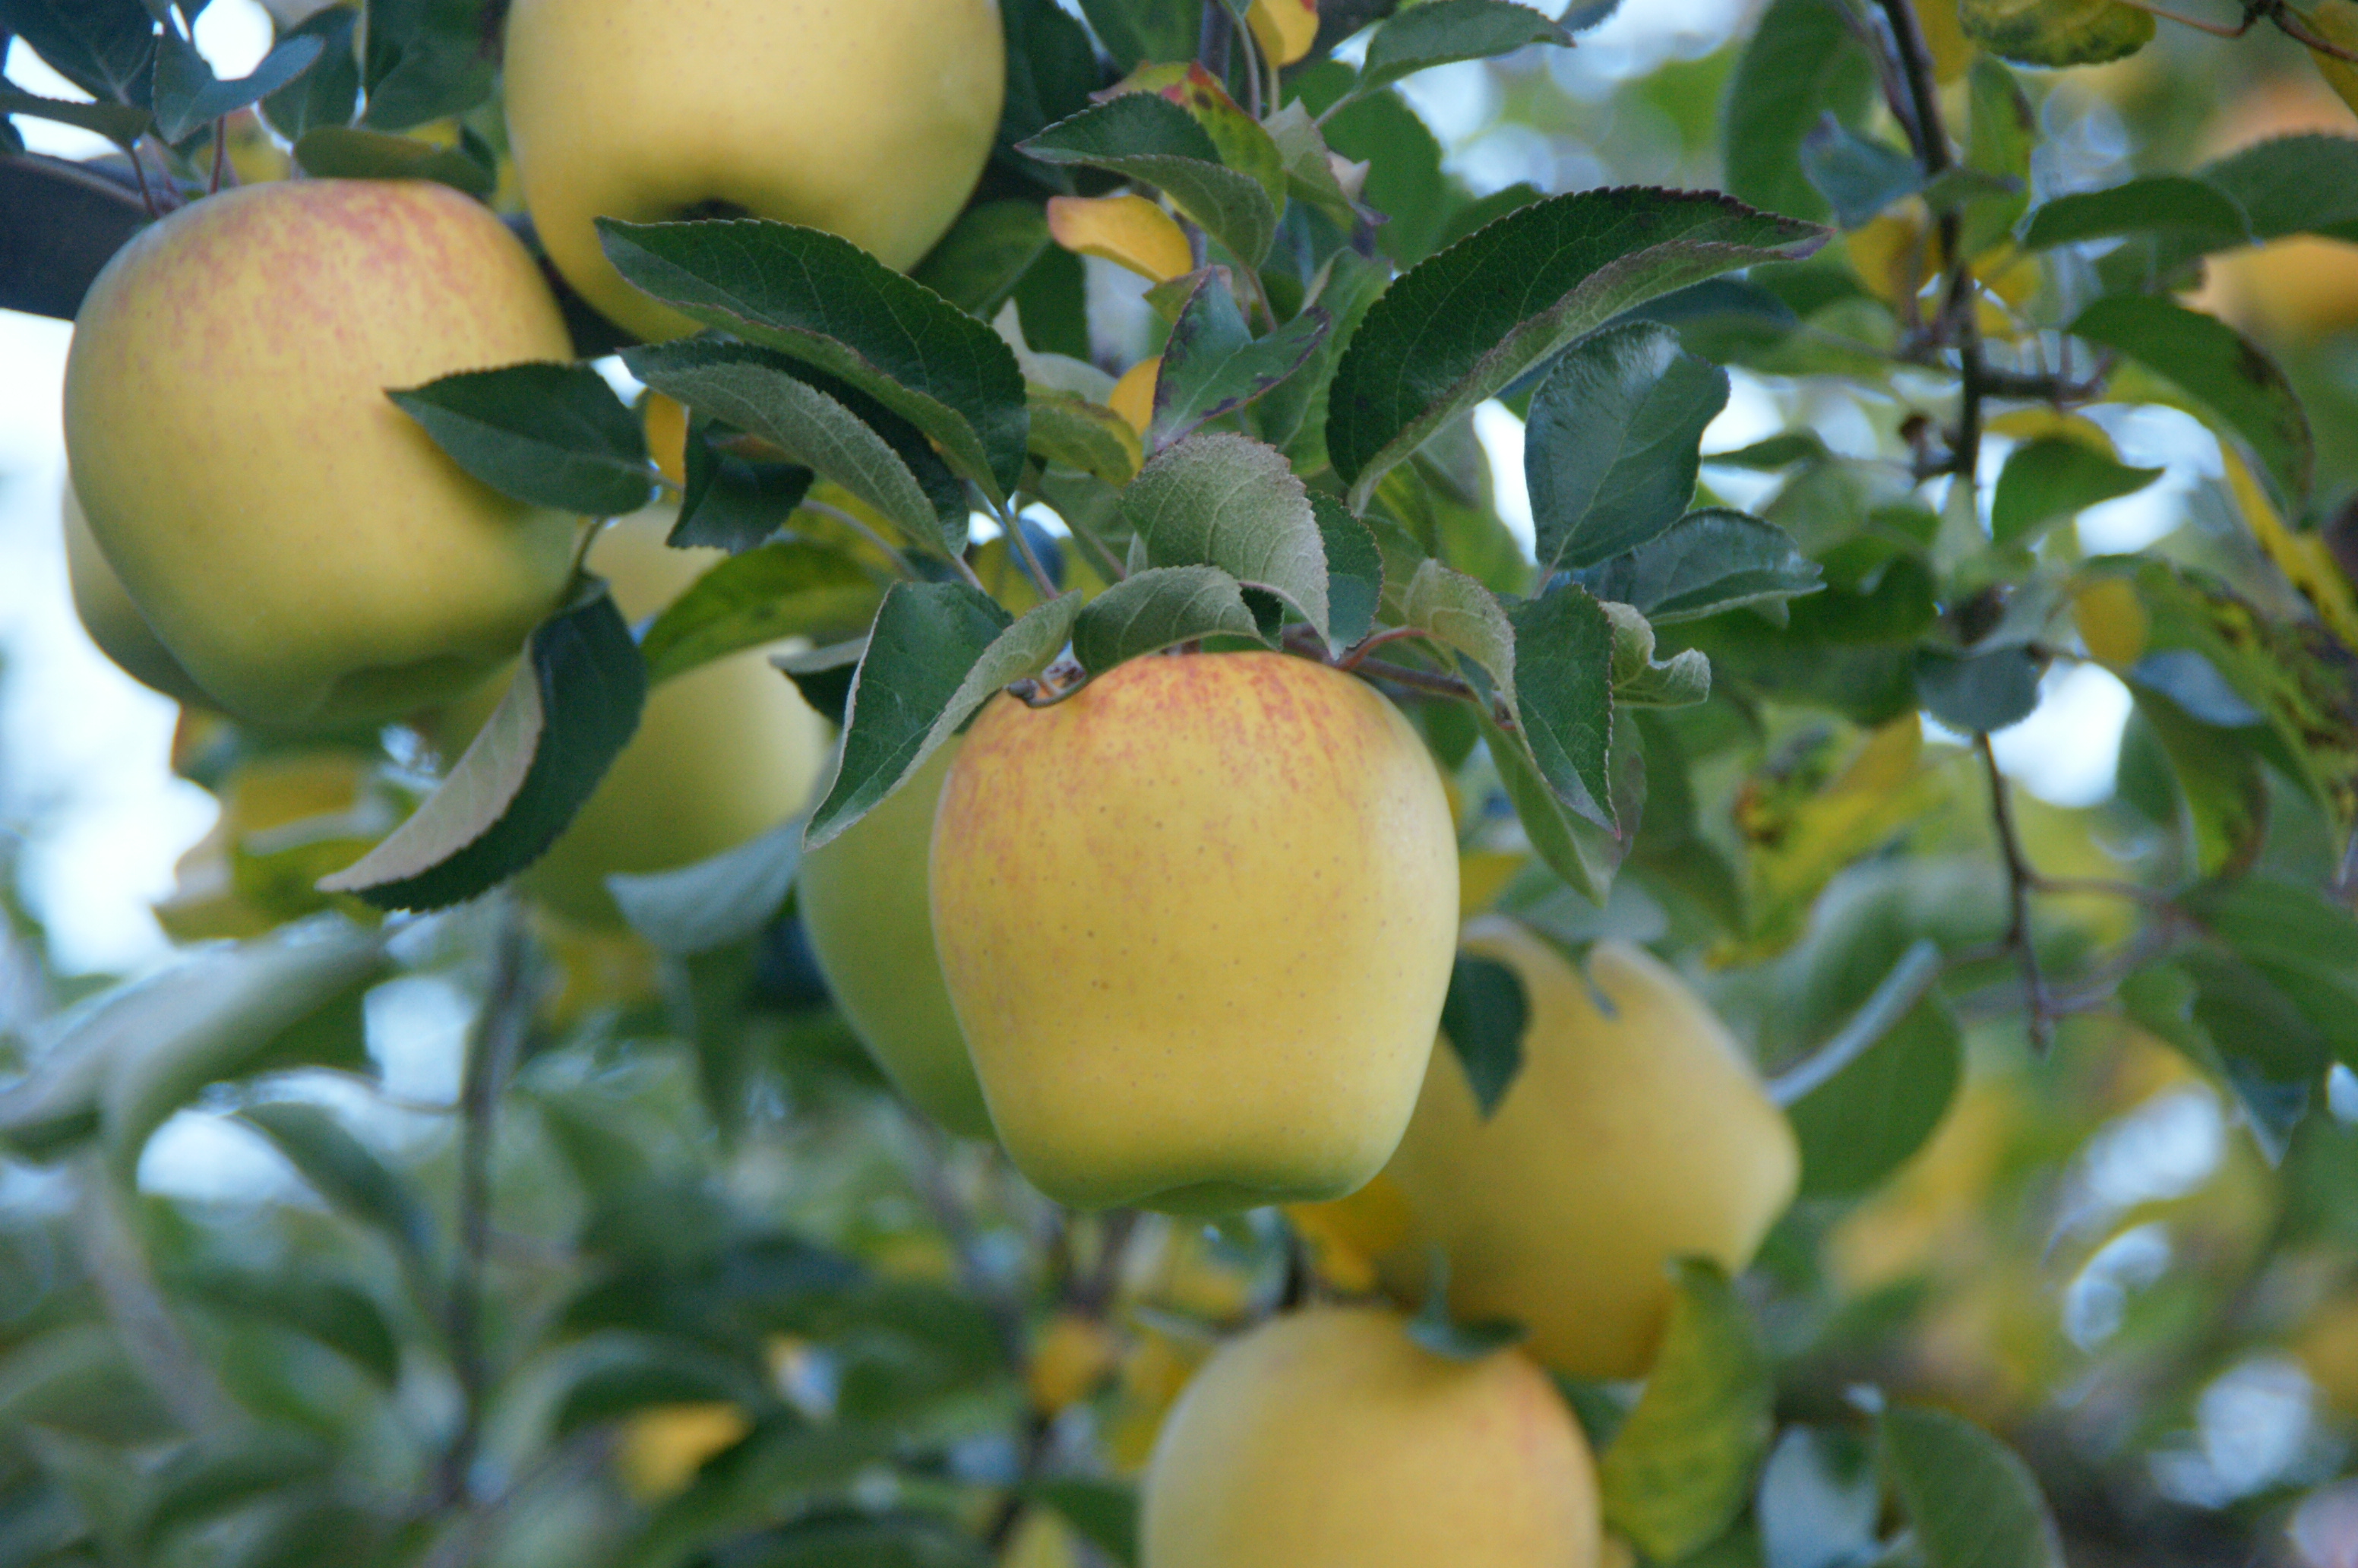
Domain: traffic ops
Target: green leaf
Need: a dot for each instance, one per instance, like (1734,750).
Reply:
(1227,501)
(345,1171)
(1142,32)
(220,1017)
(936,653)
(1463,326)
(1152,610)
(2229,380)
(2056,33)
(547,434)
(1243,143)
(1978,692)
(820,423)
(1104,1513)
(2003,135)
(824,301)
(572,707)
(346,152)
(1212,364)
(2291,185)
(189,97)
(106,48)
(1354,571)
(630,1372)
(1858,176)
(1052,70)
(728,898)
(788,589)
(977,264)
(1563,694)
(1460,613)
(1705,562)
(427,60)
(732,502)
(1681,1466)
(1867,1100)
(1819,1500)
(2054,477)
(199,1486)
(1972,1500)
(1614,442)
(327,93)
(2301,942)
(1294,415)
(1309,177)
(1404,181)
(1145,136)
(2194,211)
(311,1303)
(1483,1019)
(1805,62)
(122,124)
(1071,429)
(1640,680)
(1441,31)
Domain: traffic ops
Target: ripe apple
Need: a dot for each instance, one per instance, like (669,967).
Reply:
(1197,923)
(864,906)
(868,121)
(299,543)
(1329,1439)
(1629,1139)
(722,753)
(112,621)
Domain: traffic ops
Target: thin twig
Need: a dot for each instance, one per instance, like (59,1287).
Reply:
(1417,680)
(2020,881)
(220,155)
(491,1056)
(2293,28)
(900,562)
(1099,547)
(1013,522)
(1357,654)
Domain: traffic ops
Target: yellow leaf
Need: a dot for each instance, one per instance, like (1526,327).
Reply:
(1073,1355)
(667,427)
(1133,394)
(1952,53)
(1284,28)
(2111,621)
(2303,558)
(1348,1237)
(2031,424)
(1129,231)
(1891,255)
(662,1448)
(1482,876)
(2335,21)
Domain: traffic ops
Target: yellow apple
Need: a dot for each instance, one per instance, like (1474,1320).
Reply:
(871,121)
(299,543)
(1629,1139)
(722,753)
(863,903)
(112,621)
(1198,923)
(1329,1439)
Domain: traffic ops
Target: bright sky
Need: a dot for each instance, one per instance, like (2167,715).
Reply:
(84,772)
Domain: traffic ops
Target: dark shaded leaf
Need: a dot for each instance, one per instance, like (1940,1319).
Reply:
(106,48)
(1152,610)
(1803,62)
(1859,178)
(1705,562)
(1212,364)
(189,97)
(2054,477)
(1972,1501)
(1866,1101)
(936,653)
(824,301)
(347,152)
(327,93)
(547,434)
(788,589)
(1354,571)
(1614,442)
(2194,211)
(1984,692)
(573,705)
(1483,1019)
(2229,379)
(1445,30)
(1466,324)
(977,264)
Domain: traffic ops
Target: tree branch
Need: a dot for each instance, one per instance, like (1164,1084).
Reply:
(498,1043)
(2020,881)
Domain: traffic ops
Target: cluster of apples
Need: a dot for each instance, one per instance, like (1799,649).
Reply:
(1181,941)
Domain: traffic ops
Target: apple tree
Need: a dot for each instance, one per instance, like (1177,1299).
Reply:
(1067,931)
